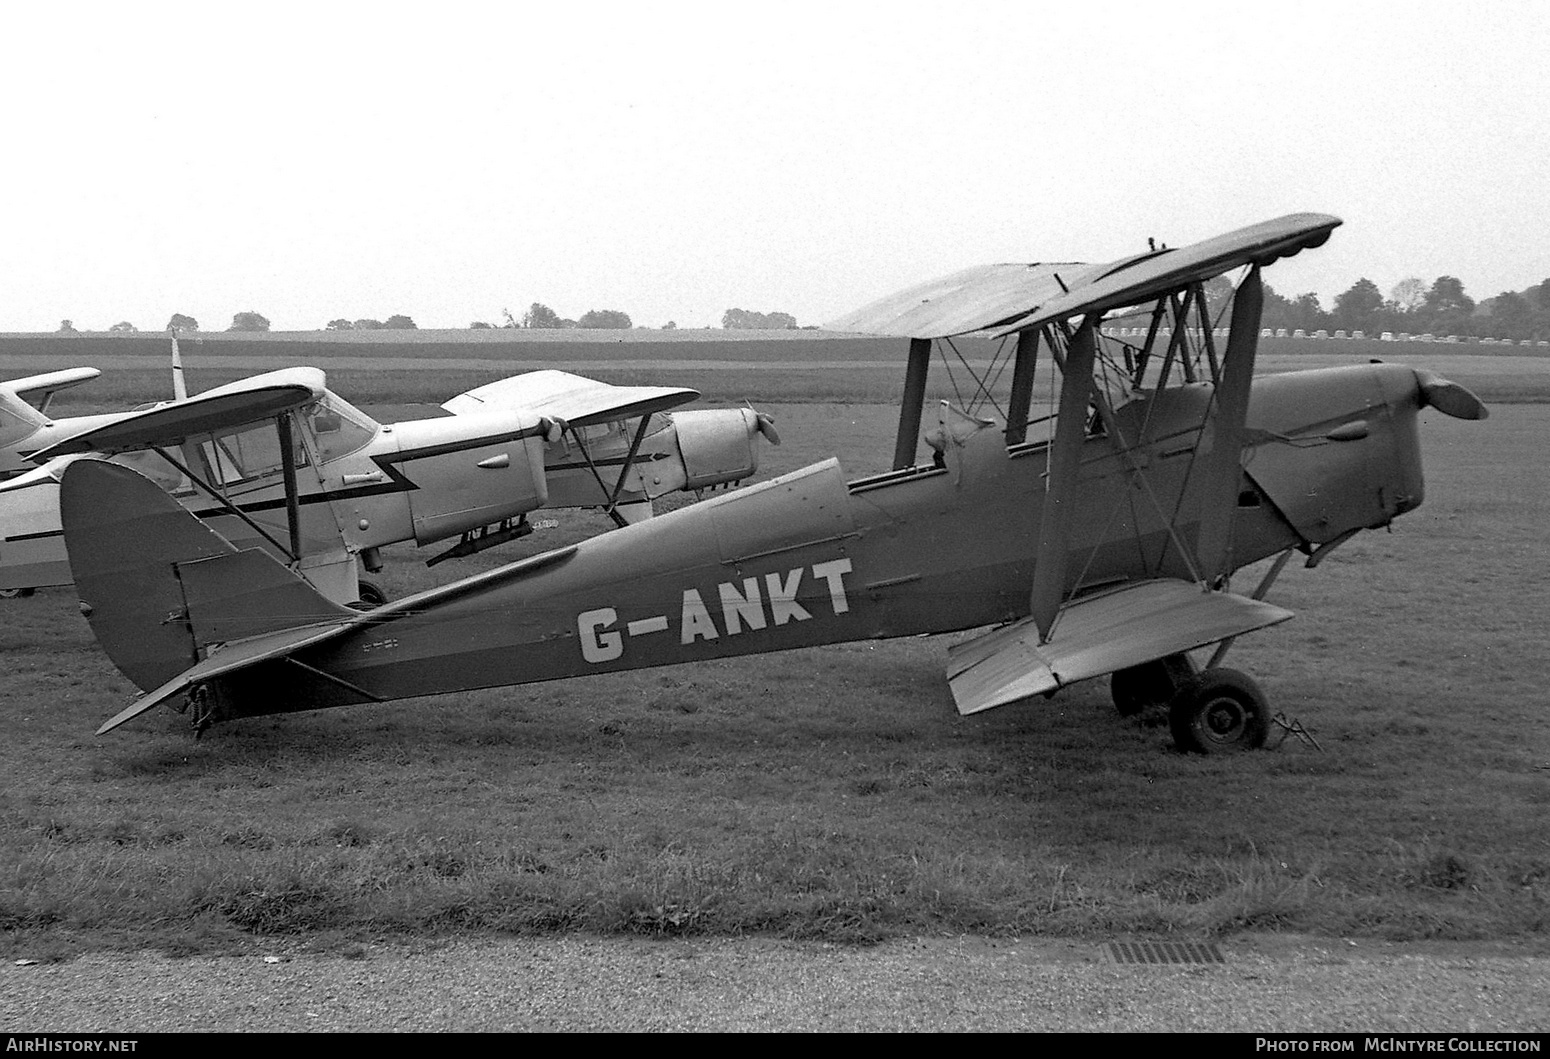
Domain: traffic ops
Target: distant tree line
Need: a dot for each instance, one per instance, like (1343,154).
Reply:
(541,317)
(1443,308)
(396,322)
(746,320)
(183,324)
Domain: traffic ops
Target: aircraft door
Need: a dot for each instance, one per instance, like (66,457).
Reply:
(468,471)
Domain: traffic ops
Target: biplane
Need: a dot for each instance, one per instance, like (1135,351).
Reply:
(281,462)
(1103,547)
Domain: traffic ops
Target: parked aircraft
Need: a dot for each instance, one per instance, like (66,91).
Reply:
(1104,548)
(26,427)
(332,483)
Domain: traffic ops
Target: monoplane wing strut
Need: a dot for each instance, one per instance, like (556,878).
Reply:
(573,402)
(1099,634)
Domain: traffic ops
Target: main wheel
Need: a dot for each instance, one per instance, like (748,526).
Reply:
(371,595)
(16,593)
(1152,683)
(1217,711)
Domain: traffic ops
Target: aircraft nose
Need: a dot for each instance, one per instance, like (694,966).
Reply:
(1448,397)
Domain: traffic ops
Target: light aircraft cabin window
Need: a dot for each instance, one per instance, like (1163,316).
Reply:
(246,456)
(615,433)
(338,427)
(13,426)
(155,467)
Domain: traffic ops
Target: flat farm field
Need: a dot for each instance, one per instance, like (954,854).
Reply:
(834,793)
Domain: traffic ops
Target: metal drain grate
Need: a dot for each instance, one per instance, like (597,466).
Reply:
(1165,952)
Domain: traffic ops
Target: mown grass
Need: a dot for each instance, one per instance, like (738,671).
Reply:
(834,793)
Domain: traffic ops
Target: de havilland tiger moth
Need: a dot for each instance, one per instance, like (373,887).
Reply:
(1104,548)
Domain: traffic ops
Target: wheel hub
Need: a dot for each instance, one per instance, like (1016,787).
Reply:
(1224,719)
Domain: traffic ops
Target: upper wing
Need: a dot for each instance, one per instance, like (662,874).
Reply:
(972,300)
(44,386)
(578,401)
(1132,281)
(233,405)
(1099,634)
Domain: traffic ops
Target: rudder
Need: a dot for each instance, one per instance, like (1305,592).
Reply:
(158,585)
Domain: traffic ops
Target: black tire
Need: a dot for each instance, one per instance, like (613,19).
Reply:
(16,593)
(1218,711)
(371,595)
(1152,683)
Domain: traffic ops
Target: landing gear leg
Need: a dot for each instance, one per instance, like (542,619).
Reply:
(200,708)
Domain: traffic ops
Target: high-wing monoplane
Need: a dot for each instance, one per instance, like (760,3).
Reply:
(1103,546)
(280,461)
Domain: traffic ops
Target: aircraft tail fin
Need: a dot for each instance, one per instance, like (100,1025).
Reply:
(17,418)
(159,587)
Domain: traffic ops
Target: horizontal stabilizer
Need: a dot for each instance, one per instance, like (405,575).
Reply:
(1099,634)
(229,659)
(578,401)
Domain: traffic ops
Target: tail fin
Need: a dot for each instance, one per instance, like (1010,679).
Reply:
(158,586)
(18,419)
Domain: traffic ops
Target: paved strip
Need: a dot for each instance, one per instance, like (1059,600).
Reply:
(1266,986)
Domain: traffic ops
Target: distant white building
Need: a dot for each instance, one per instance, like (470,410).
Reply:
(1299,333)
(1358,334)
(1340,333)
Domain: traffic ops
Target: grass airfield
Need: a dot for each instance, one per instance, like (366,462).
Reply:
(830,793)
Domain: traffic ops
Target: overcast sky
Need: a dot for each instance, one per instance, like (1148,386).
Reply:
(675,160)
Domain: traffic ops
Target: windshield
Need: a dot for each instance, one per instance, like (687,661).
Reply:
(338,427)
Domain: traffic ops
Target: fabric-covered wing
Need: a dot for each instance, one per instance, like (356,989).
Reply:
(1135,280)
(234,405)
(1099,634)
(578,401)
(972,300)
